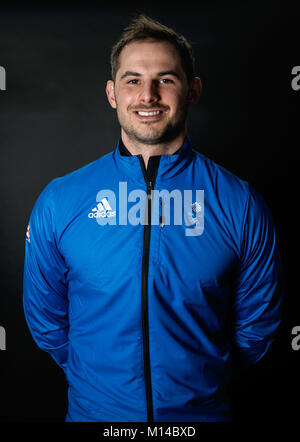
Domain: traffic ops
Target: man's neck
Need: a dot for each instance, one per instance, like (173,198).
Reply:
(147,151)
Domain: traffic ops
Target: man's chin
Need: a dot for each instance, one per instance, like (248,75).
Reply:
(149,139)
(154,135)
(163,137)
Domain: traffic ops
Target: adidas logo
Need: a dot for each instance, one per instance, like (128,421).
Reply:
(102,210)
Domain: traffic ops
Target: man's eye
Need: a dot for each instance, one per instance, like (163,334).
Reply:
(133,81)
(166,80)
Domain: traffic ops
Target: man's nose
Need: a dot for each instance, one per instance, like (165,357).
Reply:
(150,92)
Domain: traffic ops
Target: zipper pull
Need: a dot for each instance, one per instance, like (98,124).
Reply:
(162,218)
(149,190)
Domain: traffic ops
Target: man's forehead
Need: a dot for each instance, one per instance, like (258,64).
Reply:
(149,55)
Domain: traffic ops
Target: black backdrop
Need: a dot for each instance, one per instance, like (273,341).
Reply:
(54,118)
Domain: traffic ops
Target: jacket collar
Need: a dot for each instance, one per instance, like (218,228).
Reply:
(124,151)
(168,167)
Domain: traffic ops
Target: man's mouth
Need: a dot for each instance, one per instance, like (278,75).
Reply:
(149,114)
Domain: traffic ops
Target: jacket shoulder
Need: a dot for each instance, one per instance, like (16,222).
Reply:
(60,192)
(84,174)
(222,179)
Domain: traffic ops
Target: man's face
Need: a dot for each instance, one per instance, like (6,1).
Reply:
(150,92)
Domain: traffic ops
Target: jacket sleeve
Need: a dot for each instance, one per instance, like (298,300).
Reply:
(44,282)
(258,289)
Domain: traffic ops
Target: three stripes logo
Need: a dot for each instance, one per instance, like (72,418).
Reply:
(102,210)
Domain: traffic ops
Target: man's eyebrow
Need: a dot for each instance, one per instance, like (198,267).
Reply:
(130,74)
(159,74)
(174,73)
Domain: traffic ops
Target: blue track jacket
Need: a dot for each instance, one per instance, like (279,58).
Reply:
(139,288)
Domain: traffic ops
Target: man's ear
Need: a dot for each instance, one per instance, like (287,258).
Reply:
(195,90)
(110,92)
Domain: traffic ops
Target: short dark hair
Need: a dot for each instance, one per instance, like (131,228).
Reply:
(144,27)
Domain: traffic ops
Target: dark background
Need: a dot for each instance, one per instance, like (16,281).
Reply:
(54,118)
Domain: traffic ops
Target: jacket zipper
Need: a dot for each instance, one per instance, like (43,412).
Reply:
(145,269)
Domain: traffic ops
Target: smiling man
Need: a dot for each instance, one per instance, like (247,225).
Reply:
(143,316)
(151,93)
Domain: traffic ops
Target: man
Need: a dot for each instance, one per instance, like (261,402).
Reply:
(145,268)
